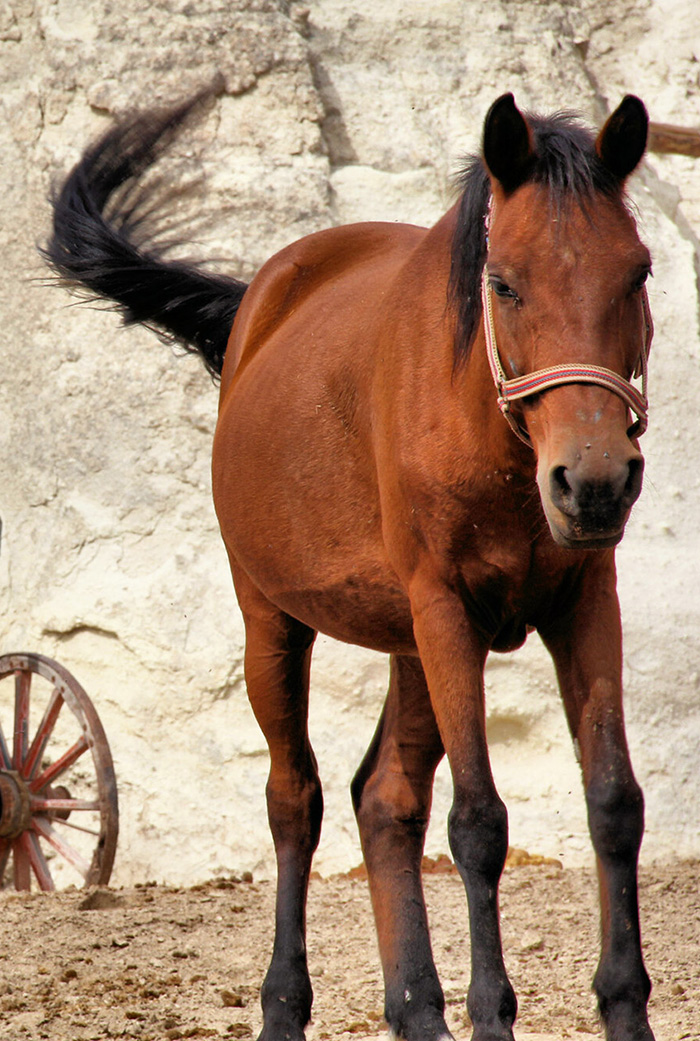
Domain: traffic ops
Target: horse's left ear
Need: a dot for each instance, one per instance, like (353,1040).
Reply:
(622,140)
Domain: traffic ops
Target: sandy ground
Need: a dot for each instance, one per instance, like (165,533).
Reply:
(155,962)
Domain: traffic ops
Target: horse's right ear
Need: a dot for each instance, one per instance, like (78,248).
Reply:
(508,149)
(623,139)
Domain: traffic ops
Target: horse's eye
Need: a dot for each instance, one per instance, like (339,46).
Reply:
(641,281)
(502,289)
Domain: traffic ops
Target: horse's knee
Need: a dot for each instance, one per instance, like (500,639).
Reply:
(478,834)
(616,815)
(387,802)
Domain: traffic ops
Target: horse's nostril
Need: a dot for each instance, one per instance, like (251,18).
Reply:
(633,484)
(559,480)
(561,490)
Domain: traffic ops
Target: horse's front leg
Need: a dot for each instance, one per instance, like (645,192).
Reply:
(587,651)
(453,655)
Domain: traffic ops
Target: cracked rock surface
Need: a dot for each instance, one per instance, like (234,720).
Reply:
(110,558)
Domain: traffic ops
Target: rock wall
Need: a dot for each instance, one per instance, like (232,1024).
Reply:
(111,560)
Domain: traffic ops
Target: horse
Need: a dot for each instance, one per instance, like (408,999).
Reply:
(427,444)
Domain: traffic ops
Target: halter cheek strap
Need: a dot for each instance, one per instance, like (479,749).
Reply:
(556,375)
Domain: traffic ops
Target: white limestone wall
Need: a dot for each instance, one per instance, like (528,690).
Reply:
(110,558)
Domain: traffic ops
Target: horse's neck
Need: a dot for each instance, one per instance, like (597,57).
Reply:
(432,398)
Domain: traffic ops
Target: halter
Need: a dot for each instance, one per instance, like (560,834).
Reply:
(556,375)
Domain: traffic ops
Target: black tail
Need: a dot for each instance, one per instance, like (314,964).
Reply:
(104,234)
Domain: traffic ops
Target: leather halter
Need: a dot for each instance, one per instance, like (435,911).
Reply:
(543,379)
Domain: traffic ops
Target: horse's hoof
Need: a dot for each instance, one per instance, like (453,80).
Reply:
(288,1032)
(280,1027)
(422,1028)
(445,1036)
(491,1033)
(626,1022)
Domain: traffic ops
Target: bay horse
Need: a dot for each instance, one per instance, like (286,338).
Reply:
(427,444)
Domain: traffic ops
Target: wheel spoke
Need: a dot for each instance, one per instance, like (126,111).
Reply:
(54,805)
(20,864)
(51,773)
(43,828)
(44,731)
(23,683)
(5,760)
(79,827)
(5,850)
(38,861)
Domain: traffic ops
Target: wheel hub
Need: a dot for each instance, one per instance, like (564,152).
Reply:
(15,814)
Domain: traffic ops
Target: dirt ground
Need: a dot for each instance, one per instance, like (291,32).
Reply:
(155,962)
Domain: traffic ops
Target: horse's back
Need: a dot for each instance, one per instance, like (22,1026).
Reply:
(321,278)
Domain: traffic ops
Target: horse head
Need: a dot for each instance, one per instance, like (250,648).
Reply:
(566,316)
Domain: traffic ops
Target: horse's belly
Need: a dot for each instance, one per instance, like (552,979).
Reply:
(347,596)
(357,610)
(296,497)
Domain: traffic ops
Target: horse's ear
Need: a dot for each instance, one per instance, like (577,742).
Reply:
(623,139)
(508,149)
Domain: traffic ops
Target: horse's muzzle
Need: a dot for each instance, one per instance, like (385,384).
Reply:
(588,507)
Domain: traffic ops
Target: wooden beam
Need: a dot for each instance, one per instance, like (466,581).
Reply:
(665,138)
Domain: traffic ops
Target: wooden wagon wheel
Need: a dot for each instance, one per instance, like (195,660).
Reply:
(58,806)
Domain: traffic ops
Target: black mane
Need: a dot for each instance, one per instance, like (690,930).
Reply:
(566,164)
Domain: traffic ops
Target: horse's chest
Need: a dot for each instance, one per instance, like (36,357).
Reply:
(504,589)
(492,597)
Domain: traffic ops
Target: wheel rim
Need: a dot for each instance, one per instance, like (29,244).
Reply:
(59,813)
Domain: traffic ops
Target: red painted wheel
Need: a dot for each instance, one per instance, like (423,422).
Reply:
(59,817)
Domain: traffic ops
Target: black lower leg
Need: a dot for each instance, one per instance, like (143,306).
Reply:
(479,841)
(616,820)
(286,994)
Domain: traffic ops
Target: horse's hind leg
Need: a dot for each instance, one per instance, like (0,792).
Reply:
(277,663)
(392,794)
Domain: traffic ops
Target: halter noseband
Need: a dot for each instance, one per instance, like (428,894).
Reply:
(556,375)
